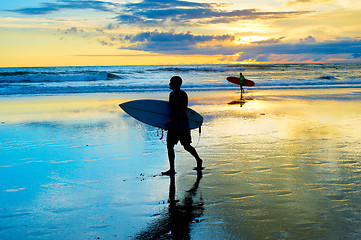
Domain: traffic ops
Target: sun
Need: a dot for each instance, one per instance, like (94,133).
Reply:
(248,39)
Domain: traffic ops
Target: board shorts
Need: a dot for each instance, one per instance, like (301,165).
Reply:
(174,136)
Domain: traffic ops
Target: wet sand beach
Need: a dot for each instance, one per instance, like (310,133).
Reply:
(283,165)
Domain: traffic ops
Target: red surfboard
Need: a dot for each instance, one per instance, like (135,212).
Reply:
(237,80)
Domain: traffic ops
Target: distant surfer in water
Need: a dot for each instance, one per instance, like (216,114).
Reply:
(178,129)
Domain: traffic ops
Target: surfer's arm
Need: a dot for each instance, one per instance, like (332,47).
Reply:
(177,113)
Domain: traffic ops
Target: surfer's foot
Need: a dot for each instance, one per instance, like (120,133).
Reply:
(199,165)
(170,172)
(198,168)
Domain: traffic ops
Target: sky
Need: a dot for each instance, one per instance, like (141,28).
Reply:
(162,32)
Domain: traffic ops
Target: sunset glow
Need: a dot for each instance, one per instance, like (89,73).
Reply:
(69,32)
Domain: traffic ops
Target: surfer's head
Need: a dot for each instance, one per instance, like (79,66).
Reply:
(175,82)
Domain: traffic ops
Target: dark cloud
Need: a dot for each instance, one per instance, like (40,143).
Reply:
(311,49)
(188,44)
(159,13)
(169,42)
(164,4)
(46,8)
(327,47)
(175,37)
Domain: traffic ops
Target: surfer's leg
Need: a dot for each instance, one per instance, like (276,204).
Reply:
(171,154)
(171,157)
(186,140)
(194,153)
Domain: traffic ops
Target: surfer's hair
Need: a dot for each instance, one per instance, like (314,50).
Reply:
(177,80)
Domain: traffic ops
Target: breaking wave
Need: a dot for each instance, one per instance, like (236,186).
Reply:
(146,78)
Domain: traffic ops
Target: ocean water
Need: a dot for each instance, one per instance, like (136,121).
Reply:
(275,168)
(115,79)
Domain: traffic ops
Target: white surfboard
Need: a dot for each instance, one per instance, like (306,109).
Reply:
(157,112)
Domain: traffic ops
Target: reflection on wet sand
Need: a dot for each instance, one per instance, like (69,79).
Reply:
(242,100)
(176,222)
(284,166)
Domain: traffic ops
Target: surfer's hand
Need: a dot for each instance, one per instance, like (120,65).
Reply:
(169,122)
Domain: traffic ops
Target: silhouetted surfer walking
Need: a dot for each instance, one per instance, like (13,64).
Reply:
(178,129)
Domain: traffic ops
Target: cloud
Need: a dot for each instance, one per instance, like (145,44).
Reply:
(175,13)
(72,30)
(175,43)
(105,43)
(190,44)
(156,13)
(183,13)
(268,41)
(308,39)
(47,8)
(310,50)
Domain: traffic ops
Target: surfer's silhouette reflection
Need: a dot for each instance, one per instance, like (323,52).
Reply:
(241,102)
(176,222)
